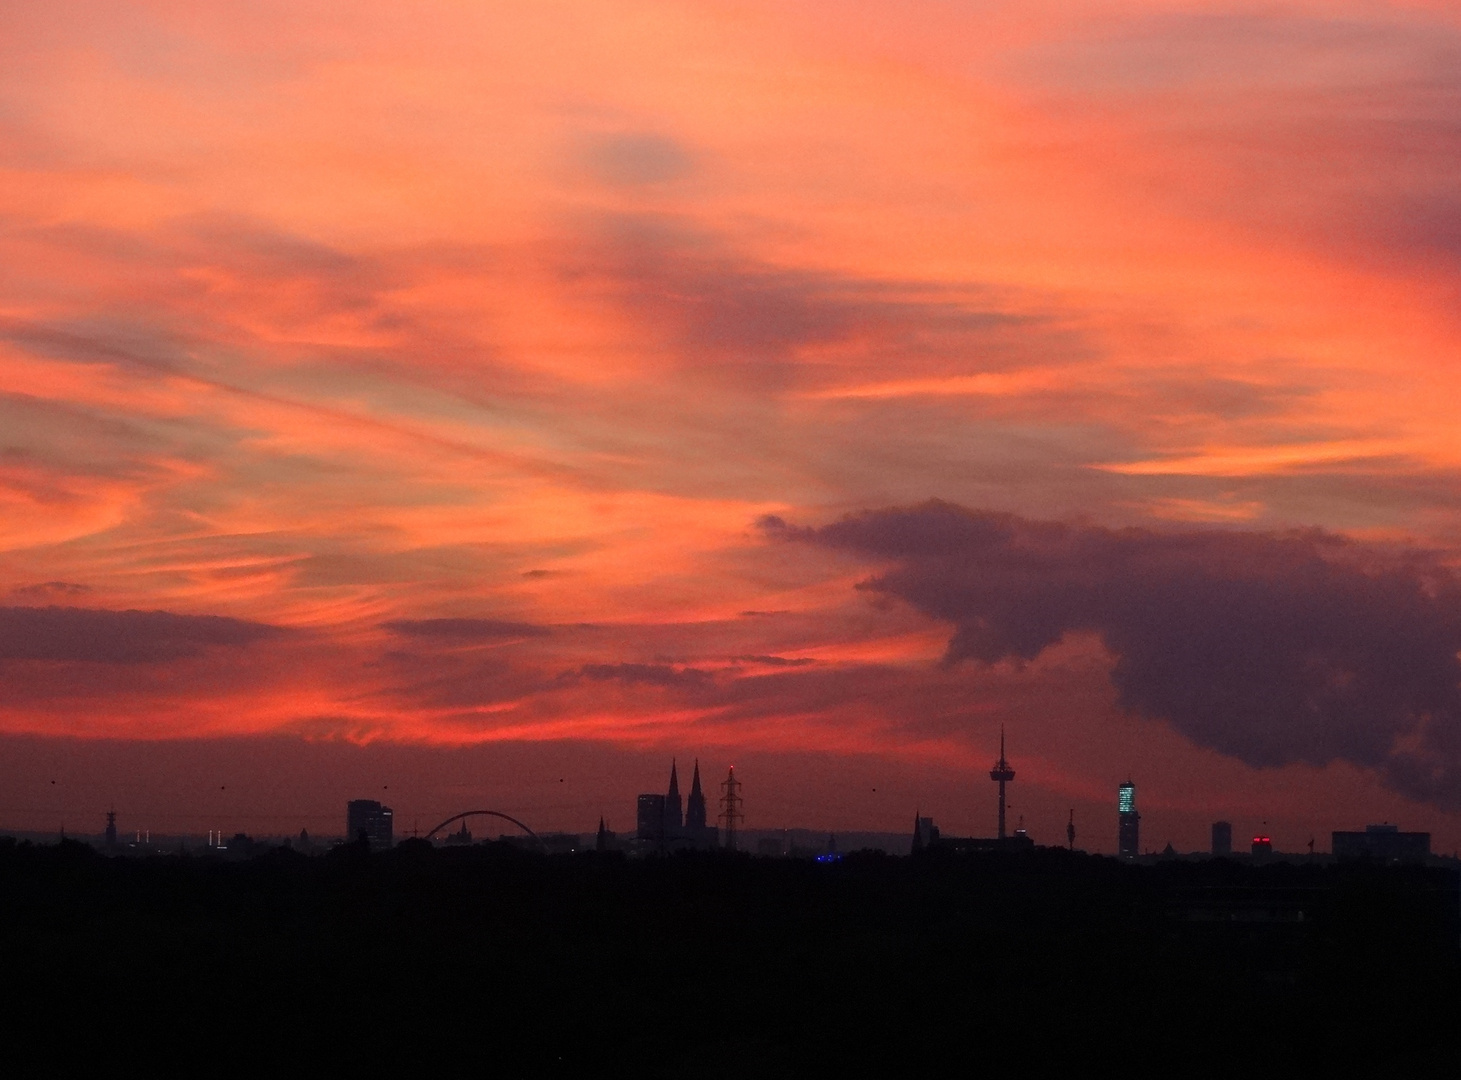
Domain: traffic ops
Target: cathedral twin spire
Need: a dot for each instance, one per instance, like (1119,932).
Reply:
(694,811)
(674,818)
(695,807)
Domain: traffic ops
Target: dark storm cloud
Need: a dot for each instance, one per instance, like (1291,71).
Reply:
(464,631)
(119,637)
(1272,648)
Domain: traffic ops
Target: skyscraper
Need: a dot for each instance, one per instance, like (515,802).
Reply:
(1222,838)
(1128,840)
(369,820)
(651,822)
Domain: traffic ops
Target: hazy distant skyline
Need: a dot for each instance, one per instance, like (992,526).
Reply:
(579,379)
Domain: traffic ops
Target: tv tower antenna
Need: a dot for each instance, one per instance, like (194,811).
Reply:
(730,807)
(1004,774)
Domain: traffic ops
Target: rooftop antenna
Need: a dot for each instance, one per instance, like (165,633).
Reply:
(1070,831)
(1003,774)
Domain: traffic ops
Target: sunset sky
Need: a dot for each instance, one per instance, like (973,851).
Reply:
(482,403)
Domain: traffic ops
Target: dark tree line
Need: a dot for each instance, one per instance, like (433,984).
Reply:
(496,961)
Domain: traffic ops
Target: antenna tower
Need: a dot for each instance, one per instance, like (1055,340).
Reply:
(730,807)
(1003,774)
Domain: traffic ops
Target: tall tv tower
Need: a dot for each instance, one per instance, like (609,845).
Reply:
(730,807)
(1004,774)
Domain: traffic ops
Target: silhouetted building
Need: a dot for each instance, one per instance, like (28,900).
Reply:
(242,846)
(674,813)
(927,836)
(111,833)
(1020,841)
(925,832)
(1222,838)
(1262,846)
(662,827)
(695,807)
(1383,843)
(368,819)
(302,843)
(650,829)
(604,840)
(1128,828)
(697,833)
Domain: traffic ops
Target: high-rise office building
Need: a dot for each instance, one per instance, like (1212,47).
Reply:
(1222,838)
(1128,830)
(369,820)
(650,830)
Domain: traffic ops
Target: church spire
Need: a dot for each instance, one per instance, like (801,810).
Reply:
(695,806)
(674,819)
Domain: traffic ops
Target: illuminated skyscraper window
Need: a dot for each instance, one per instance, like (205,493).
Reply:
(1128,842)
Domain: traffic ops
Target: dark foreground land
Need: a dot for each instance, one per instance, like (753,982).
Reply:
(493,961)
